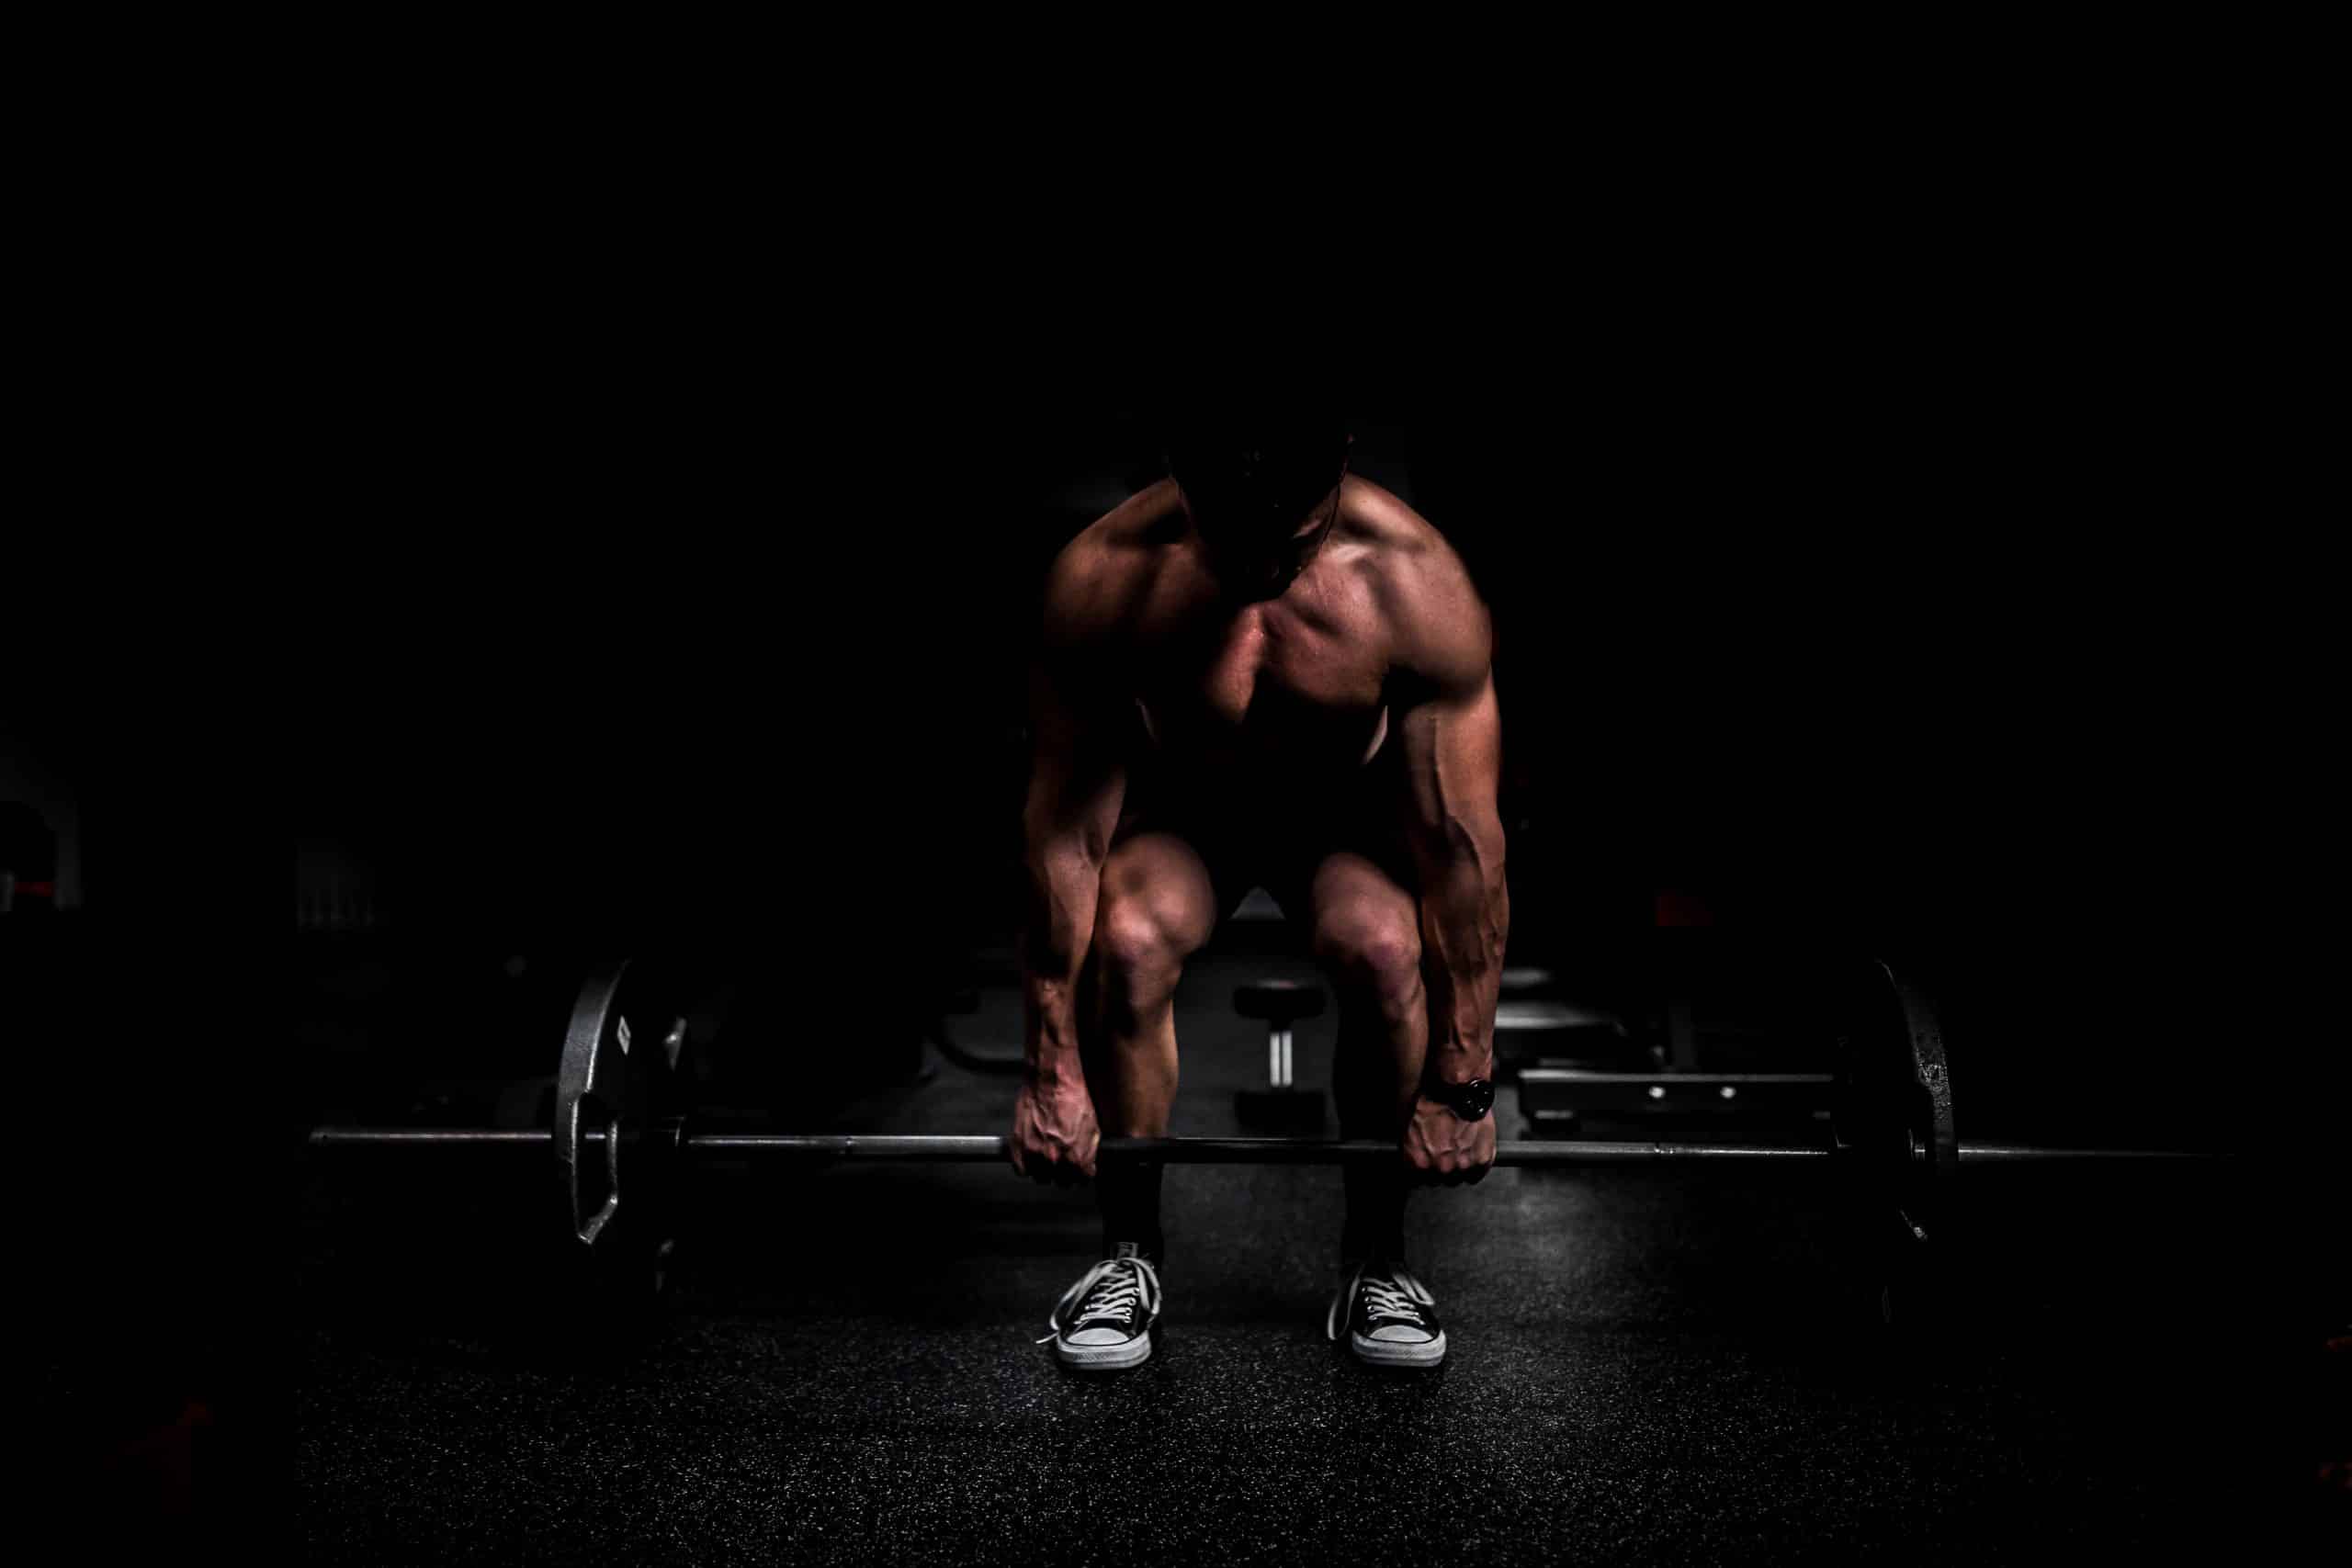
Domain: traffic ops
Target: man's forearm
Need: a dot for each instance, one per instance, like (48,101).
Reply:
(1465,919)
(1064,881)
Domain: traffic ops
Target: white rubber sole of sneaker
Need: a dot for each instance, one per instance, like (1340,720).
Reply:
(1388,1353)
(1105,1357)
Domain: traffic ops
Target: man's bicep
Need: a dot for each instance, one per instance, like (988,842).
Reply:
(1454,764)
(1076,779)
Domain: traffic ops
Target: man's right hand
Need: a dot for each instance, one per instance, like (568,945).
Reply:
(1055,1134)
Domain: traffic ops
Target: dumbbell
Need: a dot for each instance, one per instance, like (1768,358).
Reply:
(1282,1104)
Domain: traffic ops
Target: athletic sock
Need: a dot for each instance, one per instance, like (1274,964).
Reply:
(1128,1194)
(1376,1222)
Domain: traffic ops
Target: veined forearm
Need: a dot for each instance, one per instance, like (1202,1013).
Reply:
(1466,920)
(1064,881)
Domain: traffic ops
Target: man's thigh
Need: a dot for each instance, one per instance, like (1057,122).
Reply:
(1209,862)
(1348,863)
(1163,888)
(1164,881)
(1352,900)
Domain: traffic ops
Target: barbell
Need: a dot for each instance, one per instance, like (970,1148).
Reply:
(621,1140)
(969,1148)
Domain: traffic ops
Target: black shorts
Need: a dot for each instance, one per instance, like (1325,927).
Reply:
(1273,834)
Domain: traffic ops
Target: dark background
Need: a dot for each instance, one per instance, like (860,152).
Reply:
(613,523)
(706,636)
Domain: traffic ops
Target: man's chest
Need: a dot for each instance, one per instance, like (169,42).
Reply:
(1266,684)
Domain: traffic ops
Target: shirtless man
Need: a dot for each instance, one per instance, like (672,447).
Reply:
(1262,671)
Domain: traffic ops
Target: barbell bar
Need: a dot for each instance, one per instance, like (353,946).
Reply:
(975,1149)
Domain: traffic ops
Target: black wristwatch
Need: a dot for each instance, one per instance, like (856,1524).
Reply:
(1468,1100)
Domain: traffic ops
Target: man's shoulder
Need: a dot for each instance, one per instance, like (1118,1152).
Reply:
(1098,577)
(1437,619)
(1404,546)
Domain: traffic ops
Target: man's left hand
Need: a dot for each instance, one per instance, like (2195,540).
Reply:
(1444,1150)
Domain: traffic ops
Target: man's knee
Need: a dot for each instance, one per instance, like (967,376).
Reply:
(1139,952)
(1374,956)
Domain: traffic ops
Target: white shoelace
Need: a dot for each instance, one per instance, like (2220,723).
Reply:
(1116,1288)
(1390,1301)
(1400,1302)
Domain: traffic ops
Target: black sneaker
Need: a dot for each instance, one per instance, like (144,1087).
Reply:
(1388,1316)
(1104,1321)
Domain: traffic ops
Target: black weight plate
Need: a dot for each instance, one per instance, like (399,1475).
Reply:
(615,1135)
